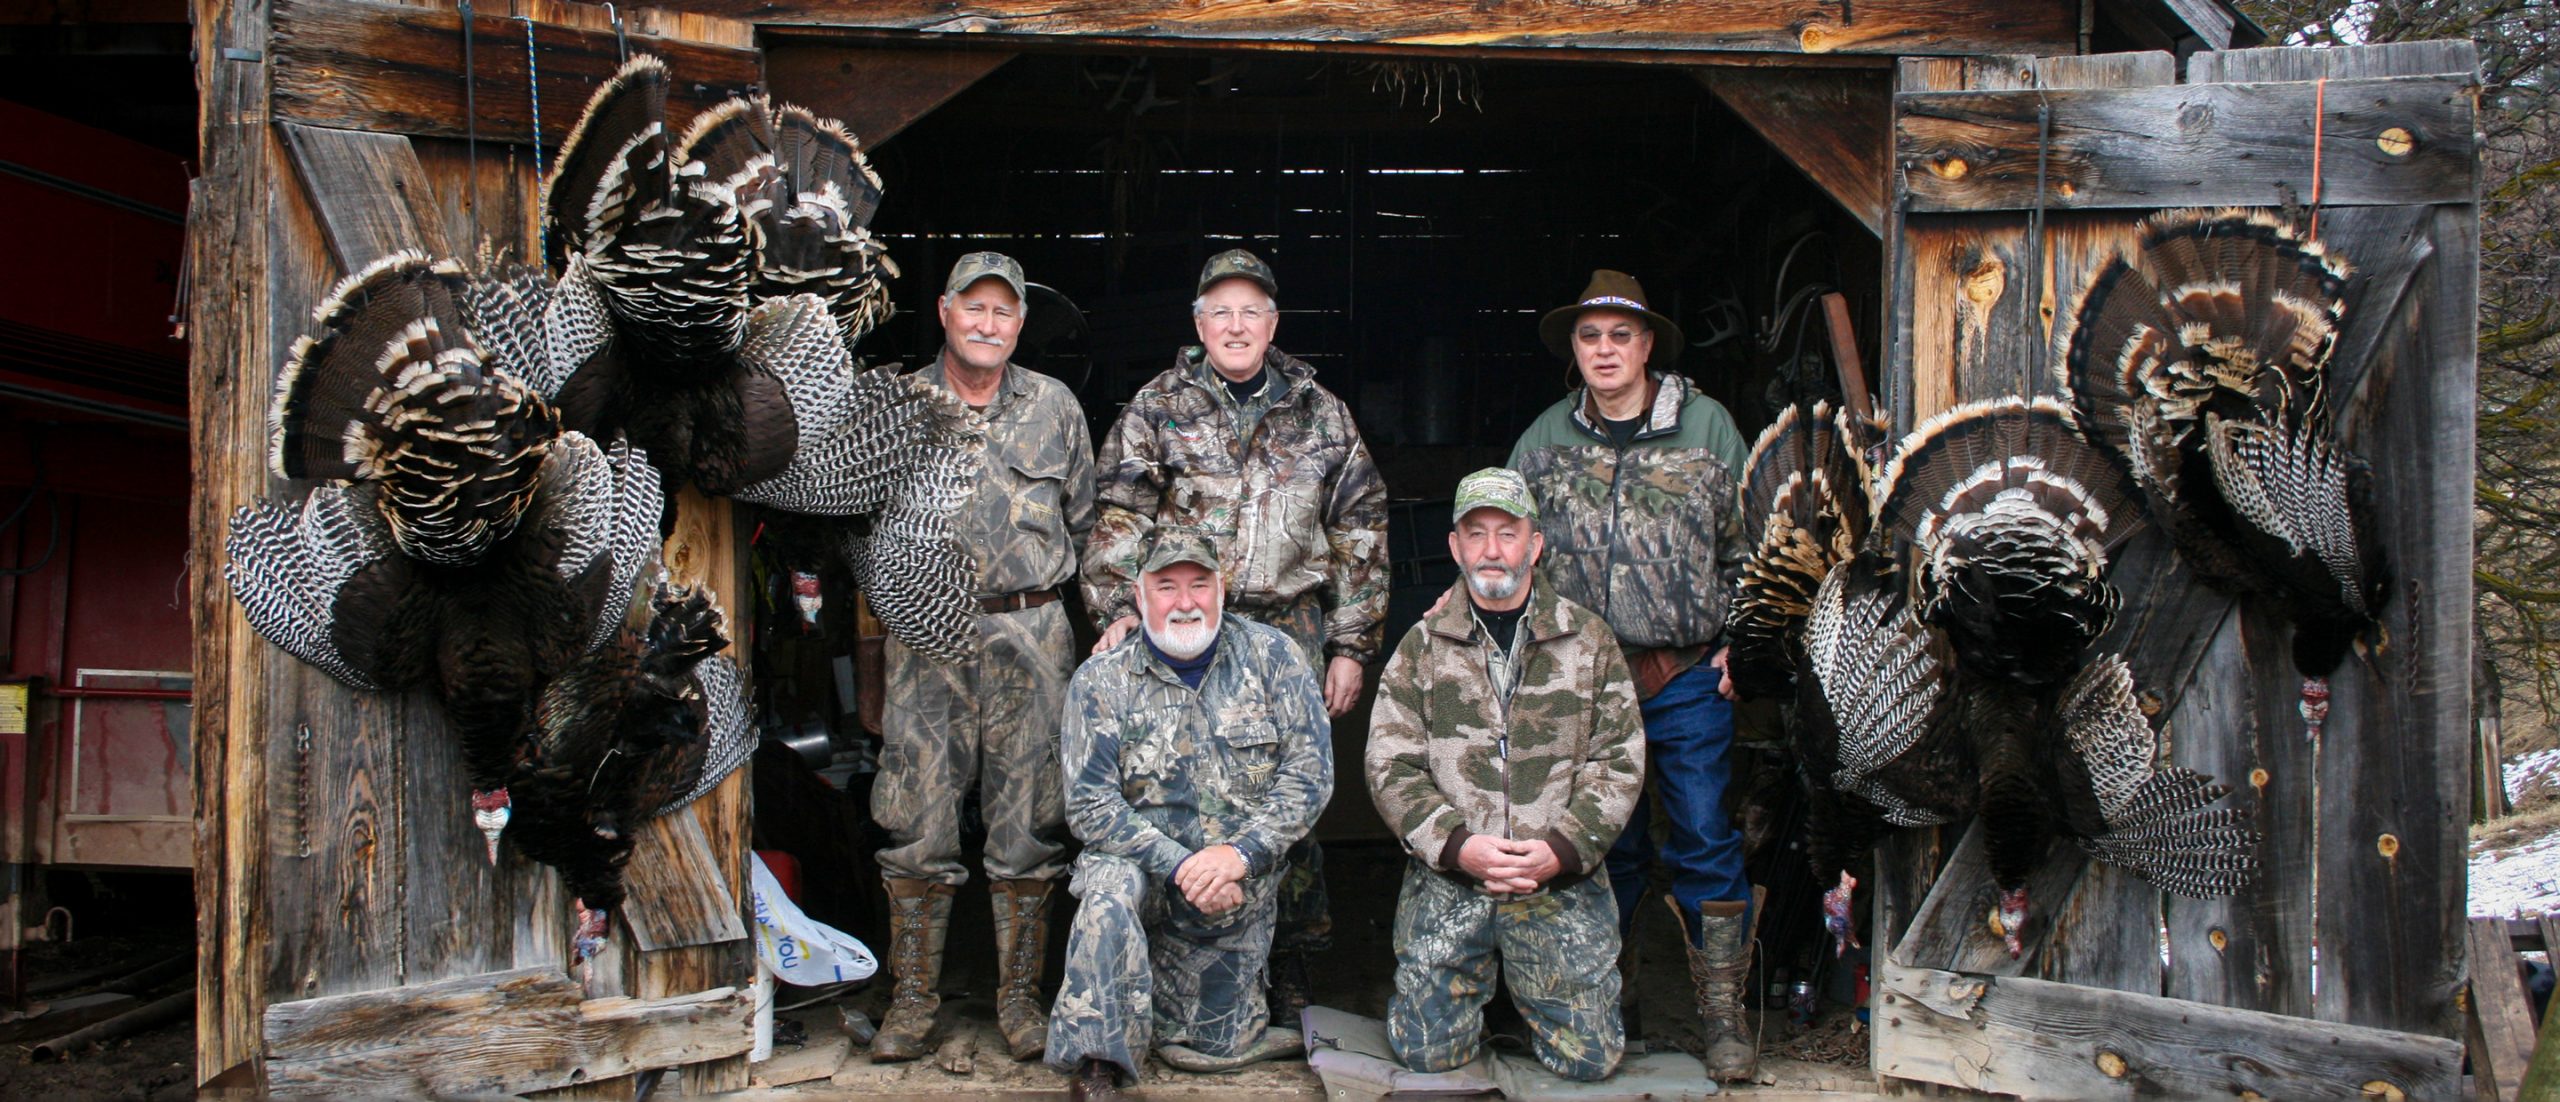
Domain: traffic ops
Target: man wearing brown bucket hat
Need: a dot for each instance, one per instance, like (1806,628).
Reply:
(1237,439)
(1634,473)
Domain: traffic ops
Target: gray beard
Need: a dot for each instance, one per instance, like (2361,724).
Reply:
(1185,642)
(1491,590)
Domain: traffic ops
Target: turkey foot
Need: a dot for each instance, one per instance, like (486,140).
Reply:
(1835,914)
(490,811)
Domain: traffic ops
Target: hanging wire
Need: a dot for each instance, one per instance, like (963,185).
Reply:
(621,41)
(2035,233)
(533,90)
(470,119)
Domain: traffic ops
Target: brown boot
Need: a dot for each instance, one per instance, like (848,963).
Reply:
(1719,970)
(1022,952)
(919,920)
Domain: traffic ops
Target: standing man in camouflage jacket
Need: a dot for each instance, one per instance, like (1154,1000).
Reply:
(1634,475)
(1506,752)
(1236,439)
(990,722)
(1195,753)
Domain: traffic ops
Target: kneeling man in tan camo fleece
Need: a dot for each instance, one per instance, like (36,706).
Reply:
(1506,751)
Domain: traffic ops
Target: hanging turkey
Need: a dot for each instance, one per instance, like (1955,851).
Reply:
(710,286)
(460,541)
(1804,505)
(2005,516)
(632,730)
(2199,359)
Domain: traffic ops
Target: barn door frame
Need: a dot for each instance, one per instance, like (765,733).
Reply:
(351,938)
(2124,991)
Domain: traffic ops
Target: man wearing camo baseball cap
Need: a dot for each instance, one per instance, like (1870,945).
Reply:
(1501,875)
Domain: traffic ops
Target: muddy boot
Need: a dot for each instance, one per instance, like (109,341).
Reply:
(1291,990)
(1720,970)
(1276,1043)
(1094,1082)
(919,919)
(1022,950)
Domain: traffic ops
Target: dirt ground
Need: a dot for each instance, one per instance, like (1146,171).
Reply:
(121,923)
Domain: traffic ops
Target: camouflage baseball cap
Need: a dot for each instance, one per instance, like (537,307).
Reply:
(1179,545)
(977,266)
(1237,263)
(1495,488)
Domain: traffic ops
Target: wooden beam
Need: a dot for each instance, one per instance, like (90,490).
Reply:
(1952,929)
(503,1033)
(368,189)
(875,91)
(364,65)
(1945,27)
(2398,140)
(2500,1022)
(1834,126)
(2037,1039)
(678,892)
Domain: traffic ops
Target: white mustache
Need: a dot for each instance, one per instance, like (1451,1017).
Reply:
(976,339)
(1494,564)
(1192,617)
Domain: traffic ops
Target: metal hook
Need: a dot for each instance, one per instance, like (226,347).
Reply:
(621,41)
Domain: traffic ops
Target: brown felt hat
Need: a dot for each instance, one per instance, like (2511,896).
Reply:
(1611,291)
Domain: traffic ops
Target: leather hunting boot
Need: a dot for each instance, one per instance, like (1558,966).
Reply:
(1720,969)
(919,921)
(1022,952)
(1291,988)
(1630,1005)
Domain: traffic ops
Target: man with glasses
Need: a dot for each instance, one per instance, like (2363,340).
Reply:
(989,722)
(1237,440)
(1634,478)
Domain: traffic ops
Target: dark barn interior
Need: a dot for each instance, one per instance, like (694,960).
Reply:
(1420,216)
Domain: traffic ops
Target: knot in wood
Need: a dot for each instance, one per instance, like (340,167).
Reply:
(2395,141)
(2258,778)
(2388,845)
(2112,1064)
(1817,38)
(2193,117)
(1947,167)
(2220,940)
(2386,1091)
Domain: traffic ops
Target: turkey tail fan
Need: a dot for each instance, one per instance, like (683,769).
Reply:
(394,392)
(324,583)
(613,164)
(543,331)
(728,738)
(816,238)
(1804,506)
(2009,516)
(601,506)
(2155,820)
(728,152)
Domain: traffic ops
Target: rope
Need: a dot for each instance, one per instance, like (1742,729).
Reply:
(533,90)
(2319,118)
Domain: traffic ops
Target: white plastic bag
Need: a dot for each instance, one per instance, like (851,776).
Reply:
(799,949)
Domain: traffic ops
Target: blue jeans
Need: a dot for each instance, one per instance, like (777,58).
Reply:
(1688,735)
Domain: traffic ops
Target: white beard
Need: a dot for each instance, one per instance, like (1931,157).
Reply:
(1493,589)
(1186,635)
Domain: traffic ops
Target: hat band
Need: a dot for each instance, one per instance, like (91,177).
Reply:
(1613,300)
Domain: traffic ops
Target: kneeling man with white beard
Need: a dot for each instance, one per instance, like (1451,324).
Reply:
(1196,752)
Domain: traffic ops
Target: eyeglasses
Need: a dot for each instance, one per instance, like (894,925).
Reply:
(1621,336)
(1252,315)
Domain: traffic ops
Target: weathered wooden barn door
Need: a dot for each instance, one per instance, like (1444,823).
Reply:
(353,939)
(2125,992)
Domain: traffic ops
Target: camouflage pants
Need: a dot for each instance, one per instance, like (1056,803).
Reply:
(1558,949)
(1144,968)
(1305,923)
(990,723)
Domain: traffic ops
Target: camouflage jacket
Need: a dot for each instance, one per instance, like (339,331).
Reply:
(1030,513)
(1290,497)
(1561,760)
(1648,536)
(1156,771)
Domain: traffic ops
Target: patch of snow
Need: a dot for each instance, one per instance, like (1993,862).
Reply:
(2526,773)
(2523,880)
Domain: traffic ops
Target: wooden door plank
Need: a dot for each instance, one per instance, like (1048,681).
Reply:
(679,894)
(2392,771)
(369,191)
(2390,59)
(505,1032)
(2387,141)
(1915,27)
(367,65)
(1952,928)
(2042,1040)
(2500,1022)
(1832,125)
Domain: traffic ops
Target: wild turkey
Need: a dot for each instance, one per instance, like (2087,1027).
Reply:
(634,729)
(2198,358)
(2007,516)
(709,289)
(1804,504)
(460,540)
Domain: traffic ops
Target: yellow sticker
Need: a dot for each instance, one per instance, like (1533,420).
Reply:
(13,708)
